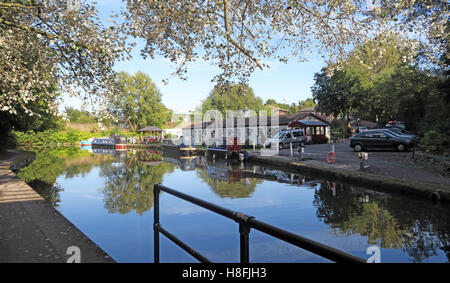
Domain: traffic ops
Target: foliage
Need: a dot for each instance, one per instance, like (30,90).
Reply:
(292,108)
(237,36)
(229,188)
(338,94)
(436,142)
(388,221)
(232,97)
(51,138)
(79,116)
(138,102)
(41,174)
(46,43)
(170,136)
(307,103)
(382,86)
(130,187)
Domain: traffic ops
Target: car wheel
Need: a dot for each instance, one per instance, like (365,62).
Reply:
(401,147)
(358,147)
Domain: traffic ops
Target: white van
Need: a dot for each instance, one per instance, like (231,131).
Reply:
(284,138)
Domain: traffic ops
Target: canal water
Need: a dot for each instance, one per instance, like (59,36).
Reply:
(109,196)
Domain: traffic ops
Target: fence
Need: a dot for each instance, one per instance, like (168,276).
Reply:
(246,223)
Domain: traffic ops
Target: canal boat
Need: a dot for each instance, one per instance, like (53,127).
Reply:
(113,141)
(87,142)
(227,149)
(178,146)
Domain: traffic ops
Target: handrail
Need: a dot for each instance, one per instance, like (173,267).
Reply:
(245,224)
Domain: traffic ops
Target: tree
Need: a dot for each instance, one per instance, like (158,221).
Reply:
(290,108)
(232,97)
(307,103)
(44,44)
(238,35)
(338,94)
(138,102)
(79,116)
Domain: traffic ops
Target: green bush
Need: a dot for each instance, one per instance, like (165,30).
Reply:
(434,141)
(50,137)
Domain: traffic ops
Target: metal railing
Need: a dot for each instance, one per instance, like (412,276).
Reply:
(246,223)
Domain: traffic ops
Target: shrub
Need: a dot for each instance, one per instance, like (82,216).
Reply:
(434,141)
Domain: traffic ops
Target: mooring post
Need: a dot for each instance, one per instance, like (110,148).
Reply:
(362,157)
(156,223)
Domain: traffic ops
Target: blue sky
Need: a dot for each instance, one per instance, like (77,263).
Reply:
(287,83)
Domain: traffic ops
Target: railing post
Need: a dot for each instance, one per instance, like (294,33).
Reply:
(156,222)
(244,231)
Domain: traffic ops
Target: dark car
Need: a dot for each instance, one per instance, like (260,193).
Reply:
(380,139)
(400,131)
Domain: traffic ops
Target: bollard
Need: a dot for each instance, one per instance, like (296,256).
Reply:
(301,150)
(362,157)
(413,153)
(290,147)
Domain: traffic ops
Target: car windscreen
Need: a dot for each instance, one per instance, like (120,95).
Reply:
(279,135)
(392,133)
(297,134)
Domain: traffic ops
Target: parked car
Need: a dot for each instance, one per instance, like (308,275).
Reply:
(361,129)
(284,138)
(380,139)
(399,132)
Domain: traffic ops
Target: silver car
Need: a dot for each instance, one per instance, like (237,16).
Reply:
(284,138)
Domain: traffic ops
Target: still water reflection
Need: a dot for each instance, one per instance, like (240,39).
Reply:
(109,196)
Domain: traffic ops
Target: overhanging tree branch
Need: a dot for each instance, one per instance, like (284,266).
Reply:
(229,39)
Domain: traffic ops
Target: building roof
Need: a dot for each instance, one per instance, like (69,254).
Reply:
(307,123)
(308,109)
(276,108)
(150,129)
(282,120)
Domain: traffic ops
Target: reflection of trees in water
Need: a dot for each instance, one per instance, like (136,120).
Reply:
(241,188)
(129,185)
(415,226)
(148,155)
(69,162)
(428,227)
(377,224)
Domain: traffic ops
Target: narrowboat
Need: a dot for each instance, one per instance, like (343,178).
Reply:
(87,143)
(178,146)
(113,141)
(228,149)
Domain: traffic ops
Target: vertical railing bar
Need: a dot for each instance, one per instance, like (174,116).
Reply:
(301,242)
(244,232)
(156,223)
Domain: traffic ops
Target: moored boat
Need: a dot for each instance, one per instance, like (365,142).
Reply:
(114,141)
(228,149)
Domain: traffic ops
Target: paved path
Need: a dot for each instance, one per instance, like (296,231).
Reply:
(390,163)
(31,230)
